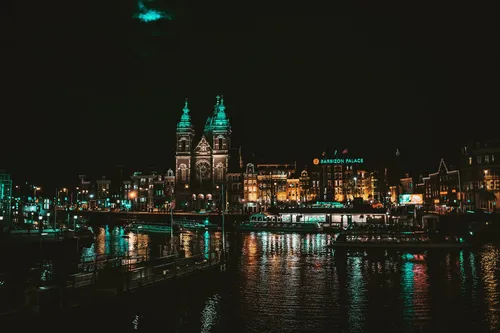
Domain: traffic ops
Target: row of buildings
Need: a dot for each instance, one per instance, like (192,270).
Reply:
(210,174)
(207,168)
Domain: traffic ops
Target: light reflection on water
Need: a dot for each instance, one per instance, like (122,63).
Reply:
(115,242)
(318,289)
(490,271)
(293,283)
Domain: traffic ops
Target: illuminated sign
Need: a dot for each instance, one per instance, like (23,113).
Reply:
(411,199)
(325,161)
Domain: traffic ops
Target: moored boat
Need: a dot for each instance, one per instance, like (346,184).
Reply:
(140,227)
(195,225)
(418,239)
(265,222)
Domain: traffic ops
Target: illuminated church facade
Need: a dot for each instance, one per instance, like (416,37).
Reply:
(202,162)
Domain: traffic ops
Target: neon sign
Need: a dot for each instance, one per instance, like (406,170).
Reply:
(326,161)
(411,199)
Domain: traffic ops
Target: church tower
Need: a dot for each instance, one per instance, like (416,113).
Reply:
(218,133)
(184,148)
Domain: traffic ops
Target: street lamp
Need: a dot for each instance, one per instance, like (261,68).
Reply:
(132,195)
(223,199)
(355,186)
(172,206)
(35,188)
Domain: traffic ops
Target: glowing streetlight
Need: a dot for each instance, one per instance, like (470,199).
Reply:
(132,195)
(35,189)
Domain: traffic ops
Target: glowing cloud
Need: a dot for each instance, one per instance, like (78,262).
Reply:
(149,14)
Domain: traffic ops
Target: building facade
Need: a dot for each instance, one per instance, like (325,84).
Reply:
(341,177)
(442,190)
(202,162)
(480,171)
(5,196)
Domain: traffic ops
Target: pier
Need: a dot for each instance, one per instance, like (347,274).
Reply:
(103,279)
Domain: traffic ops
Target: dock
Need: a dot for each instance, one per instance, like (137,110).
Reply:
(104,279)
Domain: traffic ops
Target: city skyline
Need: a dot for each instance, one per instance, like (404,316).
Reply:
(245,167)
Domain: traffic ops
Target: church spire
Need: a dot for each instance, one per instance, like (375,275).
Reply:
(222,107)
(216,106)
(185,122)
(220,119)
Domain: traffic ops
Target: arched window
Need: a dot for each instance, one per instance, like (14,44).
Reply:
(220,143)
(183,172)
(250,169)
(219,173)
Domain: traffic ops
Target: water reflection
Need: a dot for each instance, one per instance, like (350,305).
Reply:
(356,291)
(209,314)
(117,242)
(293,283)
(490,271)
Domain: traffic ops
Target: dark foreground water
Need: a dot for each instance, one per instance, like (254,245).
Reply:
(293,283)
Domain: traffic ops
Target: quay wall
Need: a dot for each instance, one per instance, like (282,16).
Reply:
(121,218)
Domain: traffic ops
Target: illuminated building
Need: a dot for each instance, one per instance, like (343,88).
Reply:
(126,200)
(441,190)
(293,191)
(376,186)
(5,197)
(338,180)
(363,185)
(272,183)
(83,192)
(202,165)
(406,185)
(480,170)
(149,191)
(309,187)
(234,193)
(250,193)
(170,179)
(103,195)
(403,186)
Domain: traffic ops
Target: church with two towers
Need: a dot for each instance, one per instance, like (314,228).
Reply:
(202,161)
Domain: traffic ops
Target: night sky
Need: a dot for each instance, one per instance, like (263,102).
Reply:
(95,89)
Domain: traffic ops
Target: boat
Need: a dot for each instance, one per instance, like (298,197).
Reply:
(191,225)
(285,227)
(265,222)
(140,227)
(387,239)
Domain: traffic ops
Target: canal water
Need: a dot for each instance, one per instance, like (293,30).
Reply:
(280,282)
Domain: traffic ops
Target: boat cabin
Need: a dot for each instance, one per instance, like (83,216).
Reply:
(261,217)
